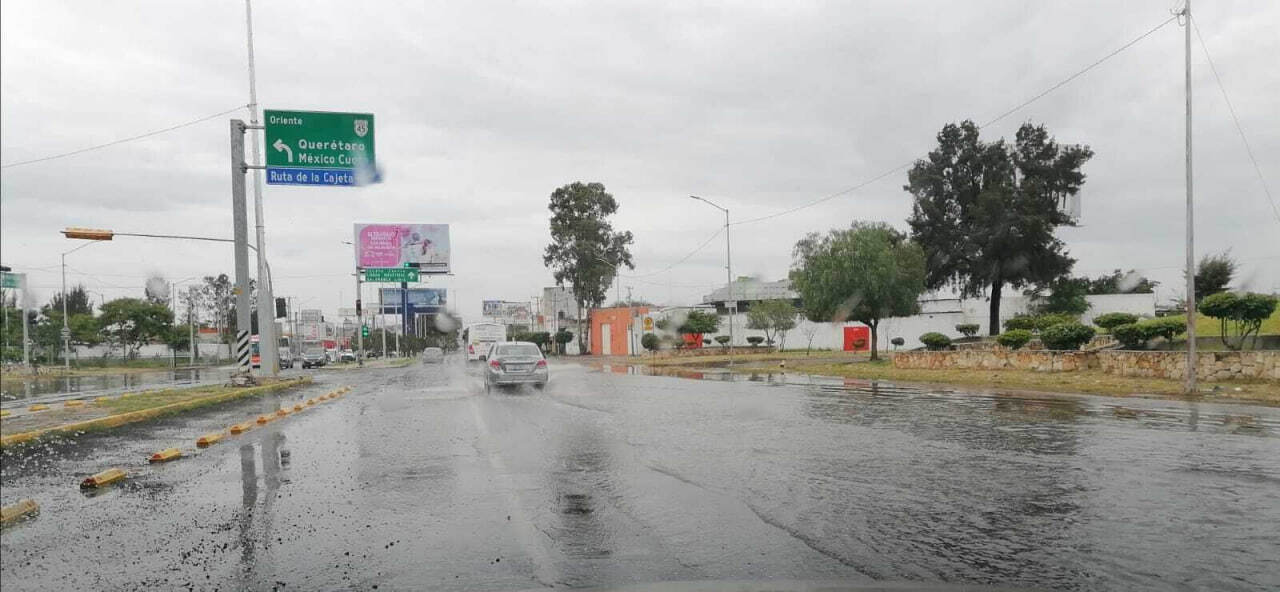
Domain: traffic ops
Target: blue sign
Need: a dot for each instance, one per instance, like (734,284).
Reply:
(421,300)
(295,176)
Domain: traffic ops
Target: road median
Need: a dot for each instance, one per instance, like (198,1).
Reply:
(124,410)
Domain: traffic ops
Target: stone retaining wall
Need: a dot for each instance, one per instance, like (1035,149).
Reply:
(1247,365)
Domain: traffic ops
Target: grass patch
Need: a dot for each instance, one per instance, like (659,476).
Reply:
(1085,381)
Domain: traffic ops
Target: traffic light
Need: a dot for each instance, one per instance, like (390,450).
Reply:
(282,308)
(364,330)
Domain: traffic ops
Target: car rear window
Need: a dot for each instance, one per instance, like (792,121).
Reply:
(521,349)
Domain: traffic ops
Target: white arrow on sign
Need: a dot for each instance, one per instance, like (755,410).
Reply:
(280,146)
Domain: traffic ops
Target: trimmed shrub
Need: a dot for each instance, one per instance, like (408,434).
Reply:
(1014,338)
(968,329)
(1022,322)
(706,341)
(1045,321)
(755,340)
(723,340)
(1114,319)
(1136,335)
(1166,327)
(898,342)
(650,342)
(1131,336)
(1066,336)
(935,341)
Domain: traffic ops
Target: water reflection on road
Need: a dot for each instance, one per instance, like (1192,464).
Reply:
(25,388)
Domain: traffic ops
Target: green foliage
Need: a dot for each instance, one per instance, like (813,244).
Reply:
(77,303)
(1020,322)
(1037,322)
(723,340)
(1166,327)
(650,342)
(1014,338)
(662,324)
(1131,335)
(968,329)
(699,322)
(1111,320)
(585,251)
(562,337)
(132,322)
(898,342)
(1213,275)
(985,212)
(755,340)
(866,273)
(1118,282)
(935,341)
(774,317)
(1066,336)
(1242,313)
(1066,296)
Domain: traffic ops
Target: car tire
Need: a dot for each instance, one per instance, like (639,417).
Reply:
(539,385)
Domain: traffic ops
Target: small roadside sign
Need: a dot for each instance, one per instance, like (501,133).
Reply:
(66,333)
(10,280)
(390,274)
(318,147)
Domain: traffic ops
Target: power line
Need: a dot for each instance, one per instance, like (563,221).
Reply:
(124,140)
(1247,148)
(682,259)
(1003,115)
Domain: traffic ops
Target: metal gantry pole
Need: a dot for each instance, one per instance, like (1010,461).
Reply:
(359,322)
(1191,261)
(268,345)
(240,227)
(26,338)
(66,329)
(728,268)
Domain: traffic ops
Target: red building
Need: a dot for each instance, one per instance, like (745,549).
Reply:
(616,331)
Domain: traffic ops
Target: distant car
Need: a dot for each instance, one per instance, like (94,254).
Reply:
(347,356)
(432,355)
(286,358)
(515,363)
(314,358)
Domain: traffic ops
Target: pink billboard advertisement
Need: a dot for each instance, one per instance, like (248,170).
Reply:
(394,245)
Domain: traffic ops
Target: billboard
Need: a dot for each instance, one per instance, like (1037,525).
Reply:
(492,308)
(509,312)
(421,300)
(395,245)
(309,315)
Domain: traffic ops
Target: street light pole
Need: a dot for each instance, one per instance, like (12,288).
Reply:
(1191,271)
(66,328)
(728,264)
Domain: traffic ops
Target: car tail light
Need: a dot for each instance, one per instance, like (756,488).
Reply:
(542,364)
(471,349)
(495,364)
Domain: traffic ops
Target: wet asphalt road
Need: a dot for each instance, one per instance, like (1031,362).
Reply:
(419,480)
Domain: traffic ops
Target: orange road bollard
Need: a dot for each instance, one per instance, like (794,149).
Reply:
(74,403)
(166,455)
(282,412)
(311,401)
(37,407)
(106,477)
(299,407)
(24,507)
(241,428)
(266,419)
(208,440)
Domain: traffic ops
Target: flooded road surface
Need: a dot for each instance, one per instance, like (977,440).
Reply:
(419,480)
(20,391)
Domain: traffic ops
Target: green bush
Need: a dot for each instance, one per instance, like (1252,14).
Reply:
(1114,319)
(755,340)
(1243,314)
(898,342)
(1014,338)
(1136,335)
(1037,322)
(1131,335)
(1045,321)
(1166,327)
(1020,322)
(935,341)
(968,329)
(1066,336)
(723,340)
(650,342)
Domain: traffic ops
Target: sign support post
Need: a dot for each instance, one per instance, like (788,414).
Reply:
(240,229)
(360,322)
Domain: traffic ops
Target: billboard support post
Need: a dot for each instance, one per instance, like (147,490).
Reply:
(360,322)
(404,312)
(240,230)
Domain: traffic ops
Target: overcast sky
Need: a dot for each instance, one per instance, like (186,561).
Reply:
(482,109)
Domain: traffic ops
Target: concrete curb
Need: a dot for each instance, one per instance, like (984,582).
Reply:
(112,421)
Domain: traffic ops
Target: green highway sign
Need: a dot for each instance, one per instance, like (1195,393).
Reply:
(10,280)
(390,274)
(318,147)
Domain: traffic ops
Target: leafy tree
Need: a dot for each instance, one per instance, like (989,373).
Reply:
(1014,338)
(561,338)
(1066,295)
(1117,282)
(968,329)
(77,303)
(898,342)
(774,317)
(809,331)
(985,212)
(650,342)
(699,322)
(1214,274)
(1244,313)
(132,322)
(866,273)
(585,251)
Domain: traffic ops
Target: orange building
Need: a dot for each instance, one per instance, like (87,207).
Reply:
(616,331)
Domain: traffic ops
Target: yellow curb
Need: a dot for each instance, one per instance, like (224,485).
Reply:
(37,407)
(104,478)
(166,455)
(209,439)
(74,403)
(102,399)
(15,511)
(120,419)
(4,413)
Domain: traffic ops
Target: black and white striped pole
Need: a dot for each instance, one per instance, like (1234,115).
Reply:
(240,227)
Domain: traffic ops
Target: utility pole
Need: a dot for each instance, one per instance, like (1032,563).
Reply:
(268,345)
(240,223)
(1191,261)
(732,305)
(191,324)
